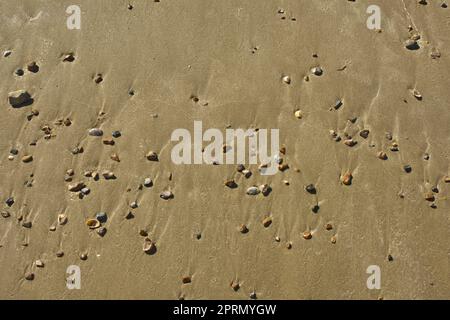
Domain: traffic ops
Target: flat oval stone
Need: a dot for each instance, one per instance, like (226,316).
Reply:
(166,195)
(96,132)
(253,191)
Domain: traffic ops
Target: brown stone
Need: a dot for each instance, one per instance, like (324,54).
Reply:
(243,229)
(382,155)
(267,221)
(347,178)
(307,235)
(186,280)
(429,196)
(27,158)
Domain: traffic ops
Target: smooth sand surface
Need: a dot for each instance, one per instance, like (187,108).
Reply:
(232,56)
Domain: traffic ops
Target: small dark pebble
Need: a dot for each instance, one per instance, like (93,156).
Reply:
(116,134)
(10,201)
(311,189)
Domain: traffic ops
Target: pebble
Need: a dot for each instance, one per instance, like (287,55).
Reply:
(307,235)
(27,224)
(39,263)
(129,215)
(240,168)
(311,189)
(83,256)
(247,173)
(115,157)
(109,142)
(166,195)
(253,191)
(231,184)
(85,191)
(416,94)
(243,229)
(7,53)
(29,276)
(5,214)
(317,71)
(98,79)
(411,44)
(364,133)
(329,226)
(19,98)
(27,159)
(149,246)
(235,286)
(407,168)
(62,219)
(93,223)
(10,157)
(186,280)
(333,239)
(429,196)
(148,182)
(298,114)
(33,67)
(96,132)
(52,228)
(267,221)
(287,79)
(101,231)
(134,205)
(265,189)
(76,187)
(60,254)
(382,155)
(101,216)
(143,233)
(10,201)
(394,147)
(315,208)
(108,175)
(116,134)
(69,58)
(347,178)
(350,142)
(447,179)
(14,151)
(152,156)
(338,104)
(253,295)
(77,150)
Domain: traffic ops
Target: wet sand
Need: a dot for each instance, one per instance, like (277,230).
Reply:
(370,133)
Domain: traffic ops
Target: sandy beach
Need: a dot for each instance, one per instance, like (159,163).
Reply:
(87,177)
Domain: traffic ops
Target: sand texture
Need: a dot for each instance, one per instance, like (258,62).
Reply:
(361,117)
